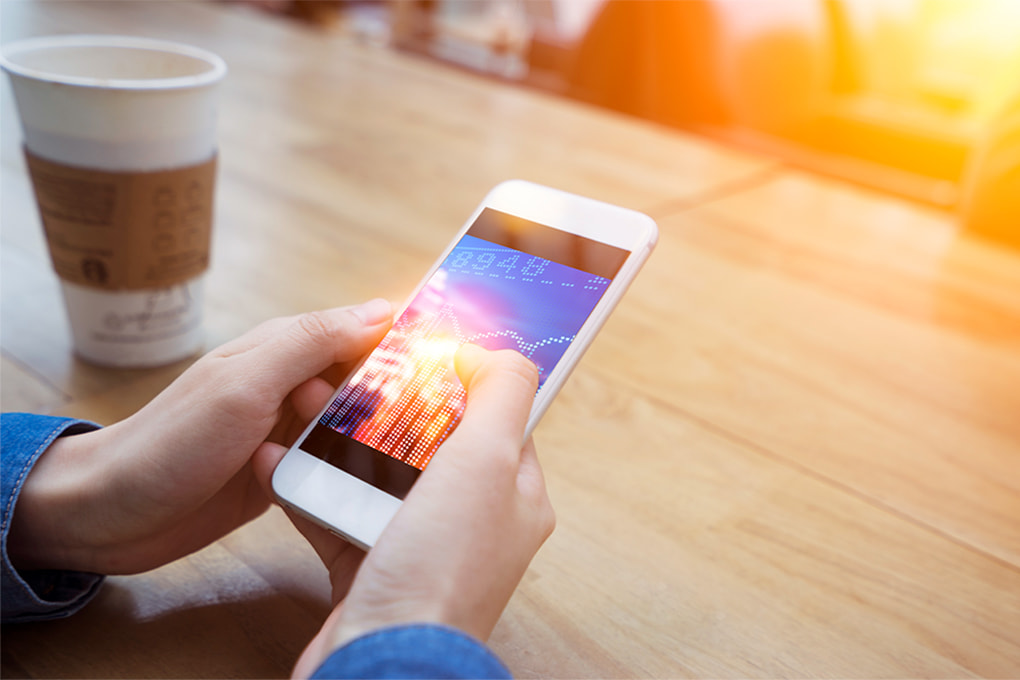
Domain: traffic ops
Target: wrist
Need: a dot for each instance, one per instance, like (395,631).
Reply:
(47,523)
(358,616)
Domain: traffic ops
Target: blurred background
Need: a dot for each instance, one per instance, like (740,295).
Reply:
(918,98)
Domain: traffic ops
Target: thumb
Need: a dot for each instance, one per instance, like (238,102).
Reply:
(284,353)
(501,387)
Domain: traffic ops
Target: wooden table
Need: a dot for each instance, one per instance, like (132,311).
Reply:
(793,451)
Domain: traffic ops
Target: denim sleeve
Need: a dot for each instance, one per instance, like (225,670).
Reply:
(413,651)
(44,594)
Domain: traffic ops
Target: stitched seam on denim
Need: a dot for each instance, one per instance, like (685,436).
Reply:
(16,491)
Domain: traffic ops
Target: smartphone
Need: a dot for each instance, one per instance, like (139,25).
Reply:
(534,269)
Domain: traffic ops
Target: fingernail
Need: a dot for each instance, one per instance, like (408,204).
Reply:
(374,311)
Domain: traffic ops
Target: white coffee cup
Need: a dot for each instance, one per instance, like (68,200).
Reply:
(105,115)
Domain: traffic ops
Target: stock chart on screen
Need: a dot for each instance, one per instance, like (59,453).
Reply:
(406,398)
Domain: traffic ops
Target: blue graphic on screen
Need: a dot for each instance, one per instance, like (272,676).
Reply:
(406,398)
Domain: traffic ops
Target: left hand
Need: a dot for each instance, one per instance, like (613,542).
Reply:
(177,475)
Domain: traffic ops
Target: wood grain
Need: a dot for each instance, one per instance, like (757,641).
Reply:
(791,452)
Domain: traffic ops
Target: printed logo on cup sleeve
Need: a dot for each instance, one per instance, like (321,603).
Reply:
(125,230)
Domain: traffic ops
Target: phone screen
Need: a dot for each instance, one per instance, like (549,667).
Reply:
(508,283)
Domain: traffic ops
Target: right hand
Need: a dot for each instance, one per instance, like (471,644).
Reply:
(461,542)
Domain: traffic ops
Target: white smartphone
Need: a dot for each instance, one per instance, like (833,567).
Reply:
(534,269)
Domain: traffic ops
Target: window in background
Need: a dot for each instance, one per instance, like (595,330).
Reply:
(895,94)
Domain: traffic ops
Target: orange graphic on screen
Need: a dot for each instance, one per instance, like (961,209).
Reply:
(406,398)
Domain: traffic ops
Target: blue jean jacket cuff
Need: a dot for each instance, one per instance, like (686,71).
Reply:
(413,651)
(44,594)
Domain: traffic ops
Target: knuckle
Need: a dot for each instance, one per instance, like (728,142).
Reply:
(550,517)
(498,456)
(549,524)
(316,325)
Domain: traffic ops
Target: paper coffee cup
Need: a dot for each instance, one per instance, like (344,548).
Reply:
(120,140)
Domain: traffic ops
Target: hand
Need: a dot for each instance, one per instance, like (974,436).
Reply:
(467,530)
(177,475)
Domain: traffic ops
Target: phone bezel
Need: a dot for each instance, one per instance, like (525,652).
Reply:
(358,511)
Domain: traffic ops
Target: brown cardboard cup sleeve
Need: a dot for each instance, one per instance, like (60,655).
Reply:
(125,230)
